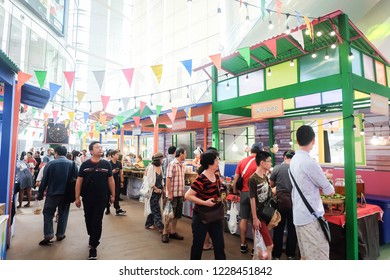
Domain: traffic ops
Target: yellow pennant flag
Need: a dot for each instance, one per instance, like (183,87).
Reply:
(157,70)
(309,28)
(71,116)
(66,122)
(80,96)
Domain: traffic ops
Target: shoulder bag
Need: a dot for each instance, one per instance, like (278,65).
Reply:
(323,223)
(70,191)
(240,183)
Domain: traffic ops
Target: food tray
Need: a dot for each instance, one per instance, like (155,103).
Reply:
(333,200)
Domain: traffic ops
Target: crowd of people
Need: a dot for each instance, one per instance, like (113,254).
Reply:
(99,182)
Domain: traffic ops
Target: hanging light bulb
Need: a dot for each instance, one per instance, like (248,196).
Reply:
(188,92)
(332,33)
(90,107)
(350,55)
(288,31)
(151,99)
(354,127)
(292,63)
(170,97)
(333,46)
(234,146)
(269,72)
(326,55)
(103,112)
(207,88)
(314,55)
(319,34)
(227,86)
(307,32)
(247,19)
(219,11)
(270,25)
(247,13)
(189,3)
(247,78)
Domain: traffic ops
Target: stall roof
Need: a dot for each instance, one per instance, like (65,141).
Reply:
(34,96)
(288,48)
(9,63)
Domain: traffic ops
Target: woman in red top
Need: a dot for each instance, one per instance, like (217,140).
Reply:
(205,192)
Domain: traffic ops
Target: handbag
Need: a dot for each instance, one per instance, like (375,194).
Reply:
(268,211)
(212,214)
(321,220)
(240,183)
(70,191)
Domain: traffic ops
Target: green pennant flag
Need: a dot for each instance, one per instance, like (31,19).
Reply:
(158,109)
(120,120)
(24,132)
(246,53)
(41,77)
(80,133)
(33,111)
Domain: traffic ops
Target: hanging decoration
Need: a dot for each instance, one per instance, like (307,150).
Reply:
(80,134)
(271,44)
(136,120)
(120,120)
(246,54)
(41,77)
(86,116)
(309,28)
(154,119)
(80,96)
(129,73)
(158,109)
(71,115)
(125,101)
(99,76)
(216,59)
(172,115)
(142,105)
(157,70)
(53,89)
(298,36)
(105,99)
(69,76)
(188,65)
(54,114)
(22,79)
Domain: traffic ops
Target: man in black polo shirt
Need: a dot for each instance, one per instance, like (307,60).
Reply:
(95,184)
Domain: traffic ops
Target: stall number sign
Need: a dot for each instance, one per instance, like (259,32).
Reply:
(268,109)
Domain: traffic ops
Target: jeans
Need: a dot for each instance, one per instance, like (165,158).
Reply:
(49,209)
(93,214)
(291,242)
(199,231)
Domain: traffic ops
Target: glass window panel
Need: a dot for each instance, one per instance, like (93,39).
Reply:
(282,75)
(251,83)
(224,92)
(332,96)
(308,100)
(15,40)
(368,64)
(314,68)
(356,63)
(2,19)
(37,53)
(380,73)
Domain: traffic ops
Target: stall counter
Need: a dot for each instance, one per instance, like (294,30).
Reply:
(134,181)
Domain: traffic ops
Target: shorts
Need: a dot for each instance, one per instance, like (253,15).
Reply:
(177,205)
(245,206)
(312,242)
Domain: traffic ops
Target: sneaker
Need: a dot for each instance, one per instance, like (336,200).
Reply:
(61,238)
(45,242)
(176,236)
(252,252)
(92,254)
(291,258)
(244,248)
(164,238)
(120,212)
(107,212)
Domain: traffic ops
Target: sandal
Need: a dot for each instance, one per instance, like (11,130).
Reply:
(150,227)
(209,249)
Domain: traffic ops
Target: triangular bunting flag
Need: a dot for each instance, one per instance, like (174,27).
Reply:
(153,118)
(157,70)
(136,120)
(69,75)
(22,79)
(54,88)
(128,75)
(189,115)
(45,116)
(142,105)
(172,115)
(309,28)
(33,111)
(25,107)
(66,122)
(71,116)
(41,77)
(40,135)
(33,134)
(125,101)
(186,110)
(103,118)
(80,96)
(91,135)
(120,120)
(246,54)
(298,36)
(216,59)
(80,133)
(158,109)
(99,76)
(271,44)
(188,65)
(54,114)
(86,116)
(105,99)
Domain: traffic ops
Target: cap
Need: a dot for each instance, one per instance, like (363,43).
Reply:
(157,156)
(258,145)
(198,151)
(290,153)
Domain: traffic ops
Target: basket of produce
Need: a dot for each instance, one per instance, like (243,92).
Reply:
(334,204)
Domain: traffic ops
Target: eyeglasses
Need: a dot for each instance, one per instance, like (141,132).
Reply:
(268,161)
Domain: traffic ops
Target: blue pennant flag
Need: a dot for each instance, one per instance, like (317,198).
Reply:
(86,116)
(53,90)
(188,65)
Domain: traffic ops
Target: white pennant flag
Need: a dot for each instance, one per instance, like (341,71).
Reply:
(298,36)
(154,119)
(99,76)
(125,101)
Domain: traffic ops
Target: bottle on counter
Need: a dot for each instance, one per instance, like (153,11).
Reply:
(339,186)
(359,185)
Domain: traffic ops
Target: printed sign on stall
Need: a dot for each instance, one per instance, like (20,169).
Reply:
(379,104)
(268,109)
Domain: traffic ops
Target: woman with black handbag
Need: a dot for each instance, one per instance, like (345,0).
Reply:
(260,194)
(208,215)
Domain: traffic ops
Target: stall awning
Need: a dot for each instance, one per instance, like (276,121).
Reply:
(34,96)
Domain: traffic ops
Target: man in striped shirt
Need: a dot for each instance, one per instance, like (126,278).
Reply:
(175,193)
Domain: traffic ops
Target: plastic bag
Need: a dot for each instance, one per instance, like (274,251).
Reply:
(147,209)
(168,214)
(145,190)
(260,250)
(37,206)
(232,223)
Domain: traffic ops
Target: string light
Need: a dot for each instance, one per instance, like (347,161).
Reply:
(227,84)
(333,46)
(319,34)
(247,78)
(332,33)
(247,13)
(326,54)
(188,92)
(170,97)
(90,107)
(189,3)
(269,72)
(314,55)
(234,146)
(270,25)
(292,63)
(207,88)
(288,31)
(151,99)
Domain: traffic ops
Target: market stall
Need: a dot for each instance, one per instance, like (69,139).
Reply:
(135,178)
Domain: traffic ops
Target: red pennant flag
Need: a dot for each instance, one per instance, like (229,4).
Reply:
(22,79)
(25,108)
(128,75)
(142,105)
(105,99)
(216,59)
(271,44)
(33,134)
(136,120)
(54,113)
(45,116)
(91,135)
(36,123)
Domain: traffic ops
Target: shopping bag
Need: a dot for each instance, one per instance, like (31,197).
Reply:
(168,214)
(145,190)
(260,250)
(232,223)
(37,206)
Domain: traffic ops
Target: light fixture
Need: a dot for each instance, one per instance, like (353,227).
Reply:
(331,127)
(354,127)
(269,72)
(247,78)
(307,32)
(292,63)
(207,88)
(319,34)
(326,55)
(227,84)
(247,19)
(170,97)
(189,3)
(350,55)
(90,107)
(333,46)
(234,146)
(151,99)
(332,33)
(288,31)
(270,25)
(188,92)
(219,11)
(314,55)
(103,112)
